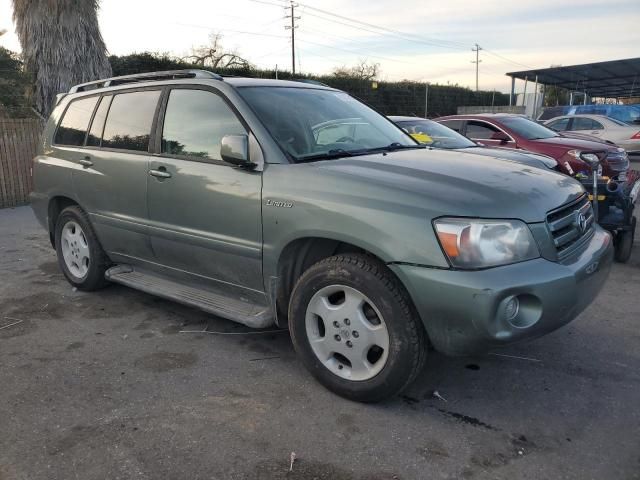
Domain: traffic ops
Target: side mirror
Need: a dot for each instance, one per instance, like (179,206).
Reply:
(234,149)
(501,136)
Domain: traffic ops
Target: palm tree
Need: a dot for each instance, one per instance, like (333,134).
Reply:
(61,45)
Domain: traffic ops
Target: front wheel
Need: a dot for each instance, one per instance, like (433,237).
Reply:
(355,328)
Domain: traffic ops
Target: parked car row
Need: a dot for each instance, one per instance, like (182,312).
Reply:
(514,137)
(518,132)
(629,114)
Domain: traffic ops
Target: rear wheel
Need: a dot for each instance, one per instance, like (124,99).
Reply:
(80,255)
(355,329)
(624,243)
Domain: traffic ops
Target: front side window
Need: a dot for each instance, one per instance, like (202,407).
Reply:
(480,130)
(313,124)
(74,123)
(435,135)
(129,121)
(195,122)
(527,128)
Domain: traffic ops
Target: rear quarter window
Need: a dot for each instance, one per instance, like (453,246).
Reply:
(75,121)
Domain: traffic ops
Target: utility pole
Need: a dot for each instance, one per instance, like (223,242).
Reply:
(293,27)
(477,61)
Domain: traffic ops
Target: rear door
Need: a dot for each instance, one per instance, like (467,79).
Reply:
(111,183)
(587,126)
(205,214)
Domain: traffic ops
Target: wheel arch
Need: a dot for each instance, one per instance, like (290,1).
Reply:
(56,205)
(300,254)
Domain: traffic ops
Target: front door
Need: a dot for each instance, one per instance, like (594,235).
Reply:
(488,134)
(204,214)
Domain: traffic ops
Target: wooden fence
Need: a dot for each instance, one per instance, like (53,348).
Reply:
(18,144)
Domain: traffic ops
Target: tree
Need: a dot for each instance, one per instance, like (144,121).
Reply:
(362,71)
(15,86)
(213,55)
(61,45)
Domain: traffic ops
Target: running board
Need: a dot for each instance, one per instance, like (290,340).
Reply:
(249,314)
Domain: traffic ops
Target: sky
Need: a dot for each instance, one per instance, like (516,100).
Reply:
(421,40)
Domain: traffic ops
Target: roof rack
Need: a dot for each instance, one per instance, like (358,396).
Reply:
(144,77)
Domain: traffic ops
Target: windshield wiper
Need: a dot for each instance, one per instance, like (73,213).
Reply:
(394,146)
(330,155)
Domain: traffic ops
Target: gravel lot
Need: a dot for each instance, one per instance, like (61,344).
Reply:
(104,385)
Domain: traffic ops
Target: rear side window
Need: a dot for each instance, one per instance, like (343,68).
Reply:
(95,134)
(480,130)
(195,122)
(75,121)
(129,121)
(455,125)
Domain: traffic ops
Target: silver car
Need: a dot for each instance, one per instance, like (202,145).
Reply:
(605,128)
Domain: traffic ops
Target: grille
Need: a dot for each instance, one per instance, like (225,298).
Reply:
(618,161)
(570,224)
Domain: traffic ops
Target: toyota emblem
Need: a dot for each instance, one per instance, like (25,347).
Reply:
(581,222)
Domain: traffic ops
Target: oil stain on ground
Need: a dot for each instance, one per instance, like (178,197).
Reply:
(166,361)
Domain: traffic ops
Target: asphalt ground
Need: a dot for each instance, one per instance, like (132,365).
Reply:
(104,386)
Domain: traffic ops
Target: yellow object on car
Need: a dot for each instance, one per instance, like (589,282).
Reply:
(422,137)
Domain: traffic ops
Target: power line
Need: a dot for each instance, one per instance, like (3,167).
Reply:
(352,51)
(398,33)
(507,60)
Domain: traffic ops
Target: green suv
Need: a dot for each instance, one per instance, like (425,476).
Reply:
(289,203)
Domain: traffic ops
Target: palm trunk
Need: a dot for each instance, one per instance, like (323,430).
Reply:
(61,45)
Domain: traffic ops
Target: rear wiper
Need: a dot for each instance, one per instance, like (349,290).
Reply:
(330,155)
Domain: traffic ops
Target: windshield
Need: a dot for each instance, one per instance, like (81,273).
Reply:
(527,128)
(434,134)
(312,124)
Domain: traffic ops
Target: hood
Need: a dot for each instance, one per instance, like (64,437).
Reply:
(584,136)
(576,143)
(453,183)
(520,156)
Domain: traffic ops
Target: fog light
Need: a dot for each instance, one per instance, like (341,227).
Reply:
(512,308)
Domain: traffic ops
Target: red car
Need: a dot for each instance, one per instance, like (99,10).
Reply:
(516,131)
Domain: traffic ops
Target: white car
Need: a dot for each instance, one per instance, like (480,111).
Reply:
(606,128)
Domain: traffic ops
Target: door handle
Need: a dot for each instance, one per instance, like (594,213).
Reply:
(86,162)
(160,173)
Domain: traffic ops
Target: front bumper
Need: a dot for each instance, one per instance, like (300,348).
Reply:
(464,312)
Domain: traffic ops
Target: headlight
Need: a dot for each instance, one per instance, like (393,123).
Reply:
(471,243)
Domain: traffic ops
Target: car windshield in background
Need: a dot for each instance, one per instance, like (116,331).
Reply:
(317,124)
(527,128)
(435,135)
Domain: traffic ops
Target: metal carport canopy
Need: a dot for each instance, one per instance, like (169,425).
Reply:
(612,79)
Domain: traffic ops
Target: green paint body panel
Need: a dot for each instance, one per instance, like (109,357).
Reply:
(230,226)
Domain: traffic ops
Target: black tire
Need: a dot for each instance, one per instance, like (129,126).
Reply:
(407,338)
(98,260)
(624,243)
